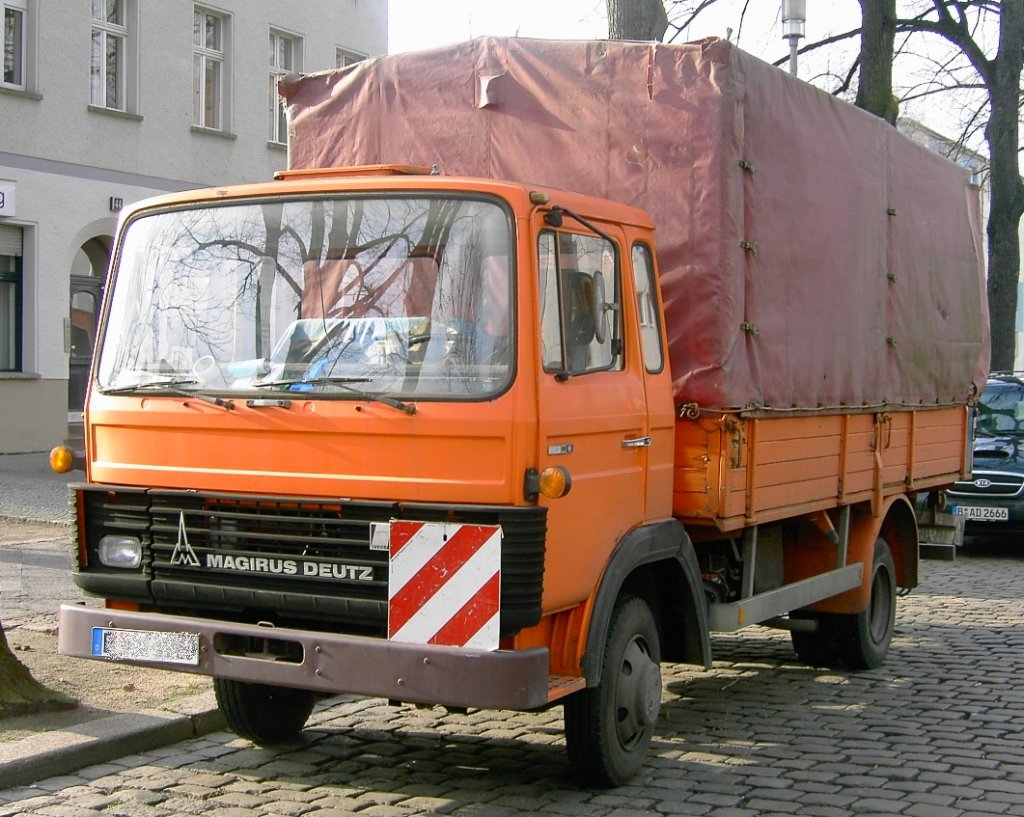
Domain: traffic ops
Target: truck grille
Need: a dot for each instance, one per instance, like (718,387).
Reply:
(299,559)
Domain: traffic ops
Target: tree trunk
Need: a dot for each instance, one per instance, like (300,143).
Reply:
(877,38)
(1007,191)
(636,19)
(20,693)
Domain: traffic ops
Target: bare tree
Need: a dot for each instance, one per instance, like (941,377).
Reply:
(636,19)
(877,41)
(20,693)
(999,75)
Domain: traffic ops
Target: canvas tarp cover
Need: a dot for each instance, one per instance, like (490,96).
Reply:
(811,256)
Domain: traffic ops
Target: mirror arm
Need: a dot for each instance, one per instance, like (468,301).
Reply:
(556,213)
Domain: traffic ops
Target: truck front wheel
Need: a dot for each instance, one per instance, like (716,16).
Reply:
(262,713)
(608,728)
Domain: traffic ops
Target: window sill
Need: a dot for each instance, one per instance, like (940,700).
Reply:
(115,113)
(11,91)
(213,132)
(281,146)
(20,376)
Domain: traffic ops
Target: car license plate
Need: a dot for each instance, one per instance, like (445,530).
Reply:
(982,514)
(139,645)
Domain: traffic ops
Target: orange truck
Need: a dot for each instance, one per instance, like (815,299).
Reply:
(415,421)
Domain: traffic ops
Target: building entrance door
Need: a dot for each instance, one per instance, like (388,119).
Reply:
(88,276)
(86,294)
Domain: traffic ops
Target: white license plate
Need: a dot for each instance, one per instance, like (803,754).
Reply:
(982,514)
(139,645)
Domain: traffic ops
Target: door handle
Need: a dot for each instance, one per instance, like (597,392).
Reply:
(636,442)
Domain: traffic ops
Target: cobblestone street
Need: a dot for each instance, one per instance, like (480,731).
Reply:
(938,730)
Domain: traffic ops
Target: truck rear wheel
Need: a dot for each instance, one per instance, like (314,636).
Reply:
(608,728)
(853,640)
(262,713)
(817,647)
(863,638)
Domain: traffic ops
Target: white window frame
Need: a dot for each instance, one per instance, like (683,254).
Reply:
(207,58)
(344,57)
(104,32)
(20,48)
(283,61)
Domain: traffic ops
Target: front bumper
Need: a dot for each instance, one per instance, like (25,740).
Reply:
(334,664)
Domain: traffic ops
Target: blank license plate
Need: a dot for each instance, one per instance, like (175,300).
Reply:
(981,514)
(139,645)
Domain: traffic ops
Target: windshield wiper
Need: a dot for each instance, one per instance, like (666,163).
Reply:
(343,383)
(174,385)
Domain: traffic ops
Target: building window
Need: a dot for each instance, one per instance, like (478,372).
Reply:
(109,50)
(209,65)
(285,58)
(10,299)
(15,26)
(344,58)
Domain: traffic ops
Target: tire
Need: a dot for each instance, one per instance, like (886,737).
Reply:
(815,648)
(262,713)
(853,640)
(608,728)
(863,638)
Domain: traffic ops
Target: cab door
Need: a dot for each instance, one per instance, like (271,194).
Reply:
(661,409)
(592,411)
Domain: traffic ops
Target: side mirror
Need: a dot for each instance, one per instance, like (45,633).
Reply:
(599,307)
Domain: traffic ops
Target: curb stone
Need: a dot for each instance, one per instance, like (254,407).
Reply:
(66,749)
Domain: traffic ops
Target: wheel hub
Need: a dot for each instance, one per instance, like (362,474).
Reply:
(648,693)
(639,694)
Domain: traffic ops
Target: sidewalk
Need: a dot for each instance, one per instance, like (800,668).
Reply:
(34,584)
(30,490)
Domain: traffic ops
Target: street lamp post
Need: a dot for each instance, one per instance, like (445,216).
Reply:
(794,18)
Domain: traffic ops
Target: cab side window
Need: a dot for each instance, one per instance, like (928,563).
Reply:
(581,322)
(647,307)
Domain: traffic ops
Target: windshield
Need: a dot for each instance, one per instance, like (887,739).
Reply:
(410,297)
(1001,408)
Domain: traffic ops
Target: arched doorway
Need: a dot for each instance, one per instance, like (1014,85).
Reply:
(88,276)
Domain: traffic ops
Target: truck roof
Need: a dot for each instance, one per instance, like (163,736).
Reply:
(405,178)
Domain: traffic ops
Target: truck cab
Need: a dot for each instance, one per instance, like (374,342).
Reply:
(380,431)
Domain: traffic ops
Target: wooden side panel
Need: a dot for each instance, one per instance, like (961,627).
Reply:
(860,462)
(935,455)
(697,471)
(734,471)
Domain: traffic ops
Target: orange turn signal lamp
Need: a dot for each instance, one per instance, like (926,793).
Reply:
(63,459)
(553,482)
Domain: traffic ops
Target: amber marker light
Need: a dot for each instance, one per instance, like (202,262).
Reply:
(555,482)
(63,459)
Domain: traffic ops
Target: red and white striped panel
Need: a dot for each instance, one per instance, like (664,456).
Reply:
(444,582)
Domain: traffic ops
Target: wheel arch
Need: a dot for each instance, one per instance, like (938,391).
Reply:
(899,529)
(657,563)
(897,524)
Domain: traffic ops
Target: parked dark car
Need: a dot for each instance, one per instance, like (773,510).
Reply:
(992,501)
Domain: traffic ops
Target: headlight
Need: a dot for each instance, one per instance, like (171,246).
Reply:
(120,551)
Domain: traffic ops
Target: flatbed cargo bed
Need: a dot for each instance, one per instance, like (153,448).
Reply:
(732,471)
